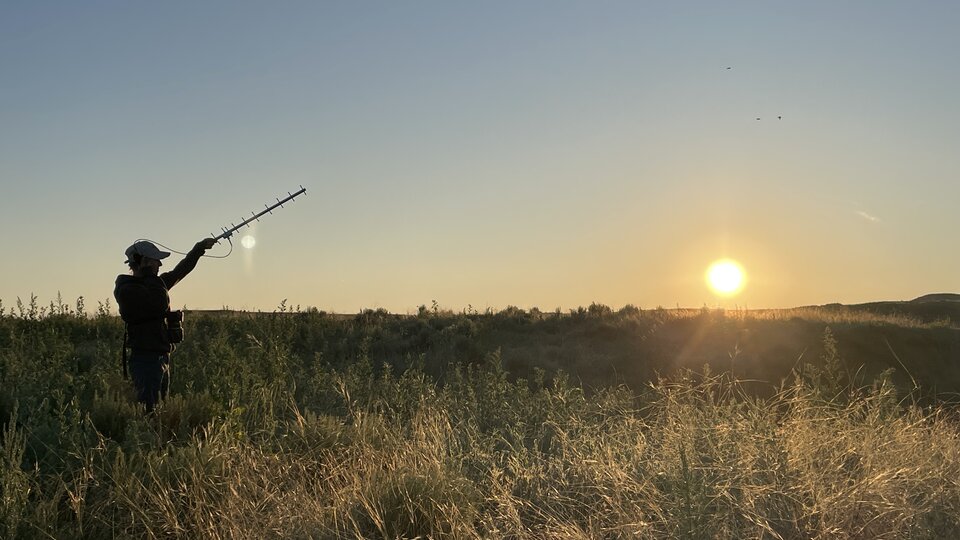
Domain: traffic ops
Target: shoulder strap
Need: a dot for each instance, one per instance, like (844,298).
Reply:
(123,353)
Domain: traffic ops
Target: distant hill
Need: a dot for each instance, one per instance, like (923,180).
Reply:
(937,297)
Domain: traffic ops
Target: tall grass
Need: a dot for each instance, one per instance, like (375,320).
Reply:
(270,435)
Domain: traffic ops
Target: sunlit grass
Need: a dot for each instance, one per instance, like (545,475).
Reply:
(827,315)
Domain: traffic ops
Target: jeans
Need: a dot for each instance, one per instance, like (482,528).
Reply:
(150,372)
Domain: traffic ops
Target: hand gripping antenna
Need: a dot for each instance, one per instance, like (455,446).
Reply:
(256,216)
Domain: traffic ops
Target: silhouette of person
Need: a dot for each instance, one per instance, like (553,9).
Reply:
(152,328)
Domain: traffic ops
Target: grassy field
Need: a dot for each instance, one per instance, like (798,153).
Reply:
(815,423)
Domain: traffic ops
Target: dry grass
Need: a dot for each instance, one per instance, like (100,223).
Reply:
(699,460)
(275,450)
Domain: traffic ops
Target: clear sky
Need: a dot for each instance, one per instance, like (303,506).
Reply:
(533,153)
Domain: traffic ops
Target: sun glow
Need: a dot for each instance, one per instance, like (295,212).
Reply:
(248,242)
(726,277)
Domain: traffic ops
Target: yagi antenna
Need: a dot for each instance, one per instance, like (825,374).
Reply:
(256,216)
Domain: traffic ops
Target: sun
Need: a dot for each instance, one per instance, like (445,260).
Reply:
(248,241)
(726,277)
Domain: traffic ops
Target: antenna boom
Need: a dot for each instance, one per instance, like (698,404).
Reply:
(233,228)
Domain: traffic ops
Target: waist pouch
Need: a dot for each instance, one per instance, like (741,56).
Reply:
(174,320)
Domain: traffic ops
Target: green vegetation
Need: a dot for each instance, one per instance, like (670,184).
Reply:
(518,424)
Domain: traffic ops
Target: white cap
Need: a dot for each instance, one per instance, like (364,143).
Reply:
(145,249)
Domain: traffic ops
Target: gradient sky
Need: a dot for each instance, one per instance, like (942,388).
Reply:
(534,153)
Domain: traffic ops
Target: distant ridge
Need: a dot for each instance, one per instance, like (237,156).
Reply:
(937,297)
(927,308)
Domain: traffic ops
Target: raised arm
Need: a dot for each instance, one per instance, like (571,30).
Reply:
(188,263)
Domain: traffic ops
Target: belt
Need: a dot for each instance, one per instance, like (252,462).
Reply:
(142,353)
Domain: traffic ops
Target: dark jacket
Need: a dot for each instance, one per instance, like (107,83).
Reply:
(143,302)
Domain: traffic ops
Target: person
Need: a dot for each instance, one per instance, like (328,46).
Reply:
(144,303)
